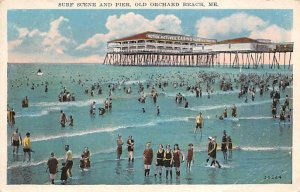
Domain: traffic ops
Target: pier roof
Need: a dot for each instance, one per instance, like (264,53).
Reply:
(149,35)
(238,40)
(133,37)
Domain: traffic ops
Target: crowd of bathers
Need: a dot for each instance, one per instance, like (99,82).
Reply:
(165,157)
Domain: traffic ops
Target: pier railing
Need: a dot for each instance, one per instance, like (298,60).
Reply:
(276,57)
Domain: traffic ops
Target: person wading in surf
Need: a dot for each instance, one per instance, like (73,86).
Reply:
(199,123)
(148,156)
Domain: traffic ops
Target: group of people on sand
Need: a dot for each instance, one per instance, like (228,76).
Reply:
(67,164)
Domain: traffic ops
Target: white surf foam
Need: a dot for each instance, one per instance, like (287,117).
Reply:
(68,104)
(205,108)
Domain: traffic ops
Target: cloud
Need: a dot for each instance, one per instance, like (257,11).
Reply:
(118,26)
(238,23)
(54,42)
(277,34)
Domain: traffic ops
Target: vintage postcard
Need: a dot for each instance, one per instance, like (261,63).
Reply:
(149,95)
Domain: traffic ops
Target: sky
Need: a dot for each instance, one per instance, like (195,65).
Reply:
(80,36)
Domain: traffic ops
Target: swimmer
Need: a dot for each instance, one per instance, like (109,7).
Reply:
(274,112)
(233,111)
(25,102)
(119,146)
(143,109)
(71,124)
(101,111)
(82,163)
(52,166)
(64,173)
(213,152)
(225,113)
(190,157)
(177,158)
(168,158)
(110,104)
(16,141)
(281,116)
(63,119)
(186,105)
(224,145)
(159,160)
(158,111)
(69,160)
(199,123)
(130,144)
(209,148)
(106,104)
(93,108)
(12,117)
(229,143)
(289,115)
(27,147)
(286,102)
(148,156)
(86,157)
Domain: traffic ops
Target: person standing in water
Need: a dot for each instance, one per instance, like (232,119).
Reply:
(148,156)
(119,146)
(210,146)
(93,108)
(158,111)
(213,152)
(63,119)
(64,173)
(190,157)
(69,160)
(229,142)
(233,111)
(177,157)
(224,145)
(71,124)
(130,144)
(199,123)
(27,147)
(25,102)
(86,156)
(159,160)
(52,166)
(12,114)
(225,113)
(168,158)
(16,141)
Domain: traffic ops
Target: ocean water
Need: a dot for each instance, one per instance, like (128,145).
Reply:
(264,146)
